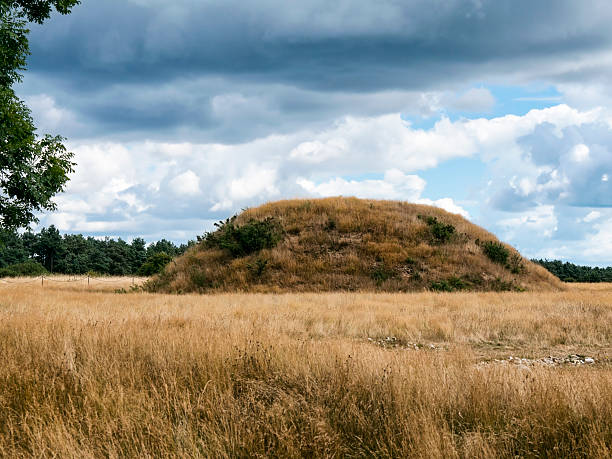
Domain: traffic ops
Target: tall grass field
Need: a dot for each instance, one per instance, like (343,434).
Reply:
(91,371)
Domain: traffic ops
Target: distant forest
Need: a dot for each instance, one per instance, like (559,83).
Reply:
(49,251)
(569,272)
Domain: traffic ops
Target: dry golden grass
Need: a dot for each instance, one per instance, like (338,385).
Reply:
(78,282)
(90,374)
(371,246)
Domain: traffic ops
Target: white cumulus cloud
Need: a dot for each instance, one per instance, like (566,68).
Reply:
(530,162)
(394,185)
(187,183)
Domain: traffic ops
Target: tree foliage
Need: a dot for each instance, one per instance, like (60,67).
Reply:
(440,232)
(76,254)
(496,252)
(154,264)
(569,272)
(32,169)
(27,268)
(246,239)
(39,10)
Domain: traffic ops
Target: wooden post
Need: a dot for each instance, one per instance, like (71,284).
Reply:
(42,281)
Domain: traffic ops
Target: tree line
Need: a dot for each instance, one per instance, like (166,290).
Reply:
(569,272)
(48,251)
(31,253)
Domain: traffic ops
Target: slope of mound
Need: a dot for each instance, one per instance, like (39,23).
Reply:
(350,244)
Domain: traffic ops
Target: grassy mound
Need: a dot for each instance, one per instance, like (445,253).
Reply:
(349,244)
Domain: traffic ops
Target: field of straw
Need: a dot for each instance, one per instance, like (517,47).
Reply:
(90,371)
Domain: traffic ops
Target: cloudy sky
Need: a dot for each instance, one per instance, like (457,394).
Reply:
(181,113)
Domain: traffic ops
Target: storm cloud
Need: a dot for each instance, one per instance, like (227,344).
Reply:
(142,66)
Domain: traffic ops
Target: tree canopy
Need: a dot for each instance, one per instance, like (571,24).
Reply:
(569,272)
(78,254)
(32,169)
(39,10)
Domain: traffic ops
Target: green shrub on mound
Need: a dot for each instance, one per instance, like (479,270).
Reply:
(349,244)
(251,237)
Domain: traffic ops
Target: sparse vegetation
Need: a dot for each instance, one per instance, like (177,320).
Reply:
(515,264)
(500,254)
(94,374)
(451,284)
(330,225)
(344,244)
(258,267)
(496,251)
(441,232)
(245,239)
(501,285)
(382,273)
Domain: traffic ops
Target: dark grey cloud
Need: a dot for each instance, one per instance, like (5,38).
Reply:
(134,67)
(212,110)
(358,45)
